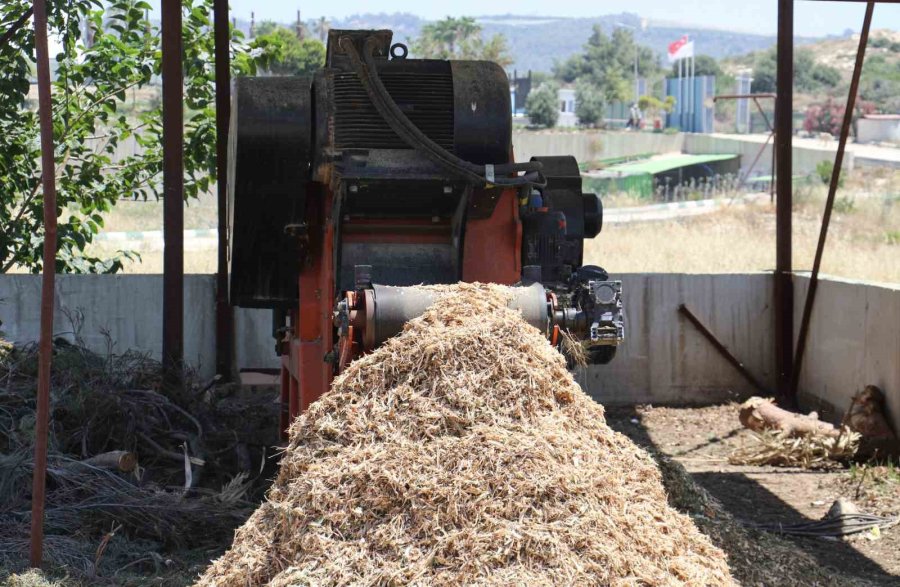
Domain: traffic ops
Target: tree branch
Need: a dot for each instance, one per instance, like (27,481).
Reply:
(14,28)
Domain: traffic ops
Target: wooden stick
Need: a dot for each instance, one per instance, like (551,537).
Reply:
(120,460)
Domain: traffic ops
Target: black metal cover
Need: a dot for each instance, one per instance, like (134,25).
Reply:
(463,106)
(269,160)
(553,237)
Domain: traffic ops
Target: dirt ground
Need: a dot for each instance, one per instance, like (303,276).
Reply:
(701,440)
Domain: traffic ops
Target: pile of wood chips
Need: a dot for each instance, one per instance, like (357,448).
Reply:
(462,452)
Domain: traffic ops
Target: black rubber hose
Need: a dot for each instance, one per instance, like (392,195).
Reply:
(415,138)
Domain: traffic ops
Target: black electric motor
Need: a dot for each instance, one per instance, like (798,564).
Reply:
(291,136)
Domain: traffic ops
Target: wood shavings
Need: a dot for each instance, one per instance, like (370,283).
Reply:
(462,452)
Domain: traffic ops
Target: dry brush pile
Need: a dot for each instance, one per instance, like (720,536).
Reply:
(118,499)
(462,452)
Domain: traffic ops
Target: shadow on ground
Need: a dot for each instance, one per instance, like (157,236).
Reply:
(749,501)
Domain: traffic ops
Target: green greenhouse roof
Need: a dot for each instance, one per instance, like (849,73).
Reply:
(655,166)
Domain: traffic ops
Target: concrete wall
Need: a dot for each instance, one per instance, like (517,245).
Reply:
(129,309)
(805,157)
(854,341)
(854,337)
(666,360)
(878,129)
(593,145)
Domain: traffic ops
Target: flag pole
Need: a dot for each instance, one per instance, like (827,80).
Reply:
(691,95)
(694,89)
(681,95)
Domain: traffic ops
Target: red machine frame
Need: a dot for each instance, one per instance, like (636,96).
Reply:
(312,330)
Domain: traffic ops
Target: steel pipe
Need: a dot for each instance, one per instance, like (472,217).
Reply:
(224,311)
(832,191)
(48,283)
(784,132)
(173,194)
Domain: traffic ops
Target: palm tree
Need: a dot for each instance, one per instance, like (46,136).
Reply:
(322,27)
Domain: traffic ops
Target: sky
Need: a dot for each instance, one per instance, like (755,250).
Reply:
(812,18)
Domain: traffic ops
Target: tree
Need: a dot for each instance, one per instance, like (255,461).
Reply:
(93,116)
(608,62)
(266,27)
(703,65)
(829,116)
(459,38)
(589,104)
(322,27)
(655,108)
(880,83)
(542,105)
(809,76)
(290,55)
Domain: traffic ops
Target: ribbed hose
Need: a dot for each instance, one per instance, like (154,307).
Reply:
(364,67)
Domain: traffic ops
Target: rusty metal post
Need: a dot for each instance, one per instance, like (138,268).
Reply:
(832,190)
(14,27)
(784,289)
(48,177)
(722,349)
(173,194)
(224,312)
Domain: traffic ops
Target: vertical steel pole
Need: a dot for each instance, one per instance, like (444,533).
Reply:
(637,85)
(832,190)
(173,193)
(680,95)
(48,175)
(224,313)
(784,292)
(693,94)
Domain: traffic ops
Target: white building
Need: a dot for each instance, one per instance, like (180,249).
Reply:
(878,128)
(566,100)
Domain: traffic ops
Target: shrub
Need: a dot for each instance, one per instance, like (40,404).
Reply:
(589,104)
(825,169)
(829,116)
(542,106)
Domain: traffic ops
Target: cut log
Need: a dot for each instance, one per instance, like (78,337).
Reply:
(116,460)
(760,414)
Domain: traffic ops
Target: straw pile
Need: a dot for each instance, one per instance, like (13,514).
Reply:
(809,451)
(462,453)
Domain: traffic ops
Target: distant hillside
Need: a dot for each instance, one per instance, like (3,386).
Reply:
(537,42)
(840,52)
(880,82)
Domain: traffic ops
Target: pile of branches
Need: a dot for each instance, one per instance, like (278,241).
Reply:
(808,451)
(785,439)
(135,473)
